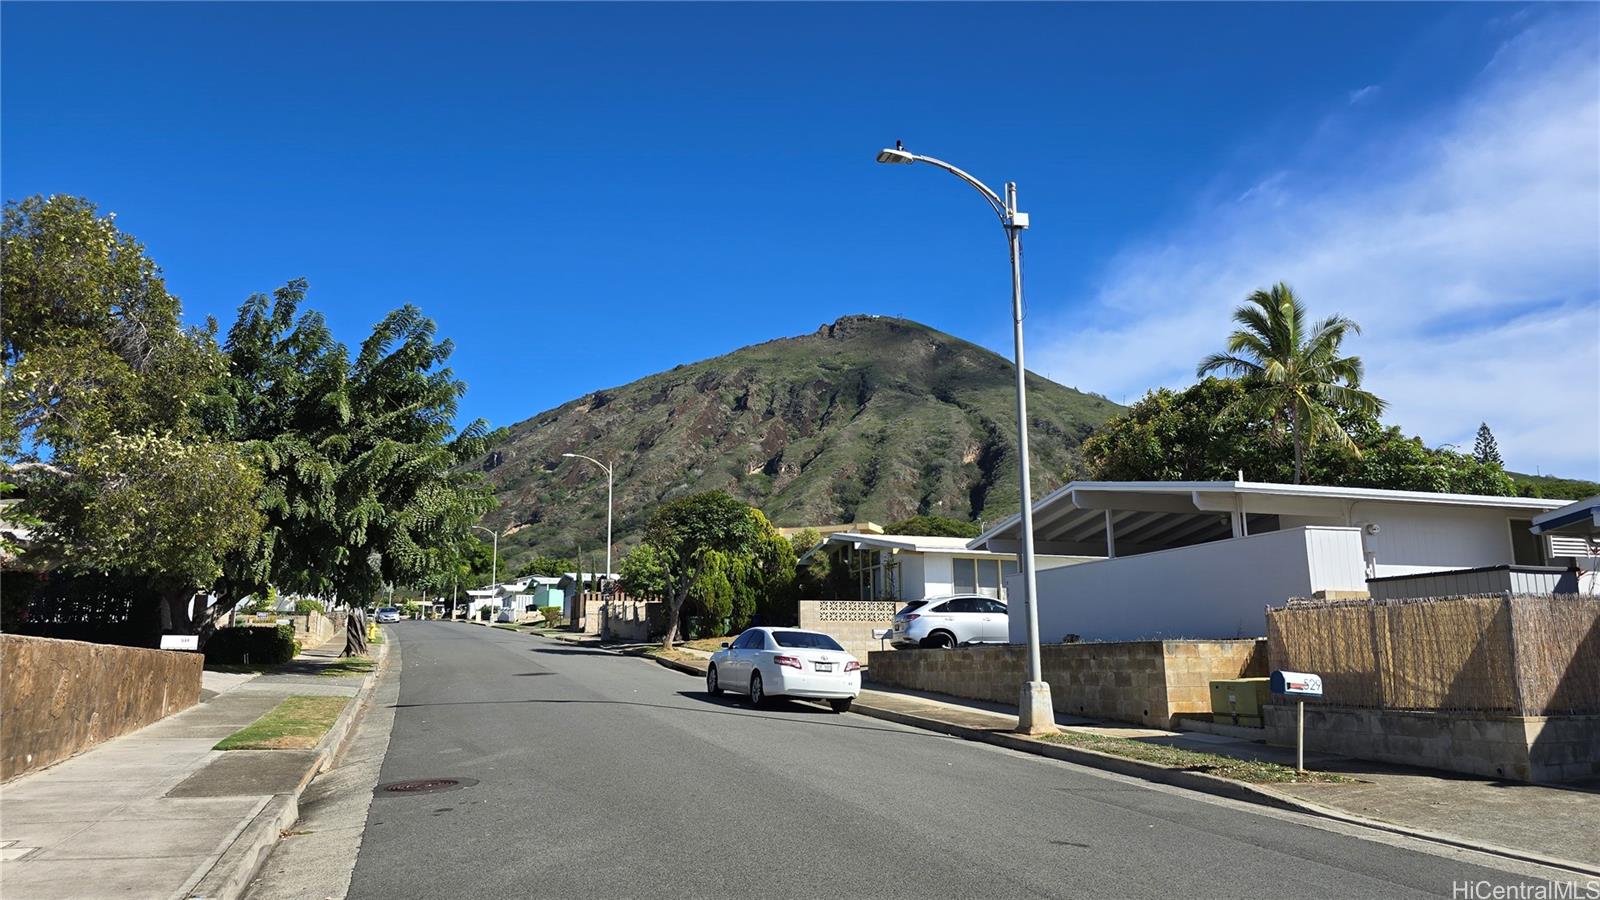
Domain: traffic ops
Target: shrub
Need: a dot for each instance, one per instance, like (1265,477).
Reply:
(552,614)
(264,646)
(301,607)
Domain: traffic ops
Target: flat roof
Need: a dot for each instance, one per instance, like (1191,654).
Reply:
(1180,497)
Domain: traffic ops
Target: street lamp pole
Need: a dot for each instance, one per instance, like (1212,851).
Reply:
(608,502)
(1035,713)
(494,560)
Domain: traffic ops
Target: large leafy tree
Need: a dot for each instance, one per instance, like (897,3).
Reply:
(1293,372)
(362,460)
(1203,434)
(106,397)
(934,526)
(686,532)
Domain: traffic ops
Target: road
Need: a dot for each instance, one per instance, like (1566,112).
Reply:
(606,776)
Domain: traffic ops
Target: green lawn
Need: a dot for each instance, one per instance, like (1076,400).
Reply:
(349,665)
(1191,760)
(295,724)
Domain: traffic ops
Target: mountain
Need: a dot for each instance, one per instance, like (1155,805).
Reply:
(869,418)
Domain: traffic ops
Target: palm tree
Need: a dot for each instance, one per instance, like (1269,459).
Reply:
(1293,373)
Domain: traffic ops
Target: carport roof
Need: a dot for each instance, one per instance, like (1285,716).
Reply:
(1159,514)
(1582,517)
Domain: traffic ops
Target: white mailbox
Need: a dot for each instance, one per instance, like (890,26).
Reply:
(180,642)
(1296,684)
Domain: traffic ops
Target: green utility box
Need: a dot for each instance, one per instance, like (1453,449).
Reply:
(1238,701)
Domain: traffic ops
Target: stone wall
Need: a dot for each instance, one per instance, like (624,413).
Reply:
(59,698)
(1546,749)
(1144,682)
(850,622)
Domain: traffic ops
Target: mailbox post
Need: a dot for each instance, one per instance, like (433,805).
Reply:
(1298,685)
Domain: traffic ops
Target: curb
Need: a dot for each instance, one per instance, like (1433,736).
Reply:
(1181,778)
(231,874)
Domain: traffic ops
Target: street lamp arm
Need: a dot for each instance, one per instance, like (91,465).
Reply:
(993,198)
(590,459)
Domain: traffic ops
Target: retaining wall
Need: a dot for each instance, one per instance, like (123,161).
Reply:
(1144,682)
(1545,749)
(59,698)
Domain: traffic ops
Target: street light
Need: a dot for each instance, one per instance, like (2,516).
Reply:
(1035,715)
(494,561)
(608,503)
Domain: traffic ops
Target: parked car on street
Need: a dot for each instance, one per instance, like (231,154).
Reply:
(786,662)
(951,621)
(388,614)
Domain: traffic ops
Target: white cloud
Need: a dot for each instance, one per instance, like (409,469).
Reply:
(1361,95)
(1467,245)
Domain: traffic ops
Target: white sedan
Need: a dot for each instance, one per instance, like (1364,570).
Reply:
(786,662)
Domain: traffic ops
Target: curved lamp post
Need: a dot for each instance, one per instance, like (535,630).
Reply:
(608,502)
(1035,714)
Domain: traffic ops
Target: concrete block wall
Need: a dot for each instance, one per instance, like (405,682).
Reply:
(1547,749)
(59,698)
(850,622)
(1144,682)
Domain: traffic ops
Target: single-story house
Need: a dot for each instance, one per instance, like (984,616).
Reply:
(909,567)
(1203,559)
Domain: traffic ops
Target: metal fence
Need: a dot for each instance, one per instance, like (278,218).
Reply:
(1522,654)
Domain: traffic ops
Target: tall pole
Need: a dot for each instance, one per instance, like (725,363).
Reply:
(494,558)
(608,471)
(1035,712)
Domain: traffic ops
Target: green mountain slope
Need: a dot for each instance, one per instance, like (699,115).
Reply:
(870,418)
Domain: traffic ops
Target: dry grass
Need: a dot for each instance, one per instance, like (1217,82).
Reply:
(1250,771)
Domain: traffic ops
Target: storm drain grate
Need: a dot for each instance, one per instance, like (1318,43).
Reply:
(425,785)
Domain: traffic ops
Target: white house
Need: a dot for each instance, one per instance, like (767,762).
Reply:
(1204,559)
(908,567)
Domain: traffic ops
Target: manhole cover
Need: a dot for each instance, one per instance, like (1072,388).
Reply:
(426,785)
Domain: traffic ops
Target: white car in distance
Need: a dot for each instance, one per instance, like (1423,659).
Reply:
(388,615)
(786,662)
(948,622)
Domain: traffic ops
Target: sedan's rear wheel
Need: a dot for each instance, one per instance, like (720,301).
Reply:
(712,687)
(840,706)
(758,696)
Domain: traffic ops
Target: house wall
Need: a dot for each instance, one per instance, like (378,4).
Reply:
(1214,590)
(938,571)
(913,575)
(1145,682)
(1413,538)
(59,698)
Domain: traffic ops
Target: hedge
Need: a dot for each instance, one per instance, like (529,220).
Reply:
(254,645)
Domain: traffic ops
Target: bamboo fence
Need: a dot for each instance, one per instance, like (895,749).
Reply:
(1518,654)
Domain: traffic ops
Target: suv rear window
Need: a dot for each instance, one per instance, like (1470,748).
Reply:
(805,640)
(912,607)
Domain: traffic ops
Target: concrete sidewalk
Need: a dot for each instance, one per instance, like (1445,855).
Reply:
(158,813)
(1545,824)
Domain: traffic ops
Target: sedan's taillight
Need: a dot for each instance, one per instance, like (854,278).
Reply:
(852,666)
(792,662)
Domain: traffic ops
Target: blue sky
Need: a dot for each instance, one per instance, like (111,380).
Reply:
(582,195)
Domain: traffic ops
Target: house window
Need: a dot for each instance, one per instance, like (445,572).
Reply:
(966,576)
(1008,567)
(989,577)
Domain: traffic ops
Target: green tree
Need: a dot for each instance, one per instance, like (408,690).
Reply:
(1485,448)
(365,483)
(643,575)
(934,526)
(1202,434)
(102,378)
(684,533)
(711,596)
(1292,372)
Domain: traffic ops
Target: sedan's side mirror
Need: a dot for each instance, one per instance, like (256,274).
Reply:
(724,645)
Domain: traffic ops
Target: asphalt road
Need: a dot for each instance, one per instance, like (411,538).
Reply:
(607,776)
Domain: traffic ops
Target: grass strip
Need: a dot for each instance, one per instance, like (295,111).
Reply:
(349,665)
(297,723)
(1247,770)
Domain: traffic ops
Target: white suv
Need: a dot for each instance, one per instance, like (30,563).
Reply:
(951,621)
